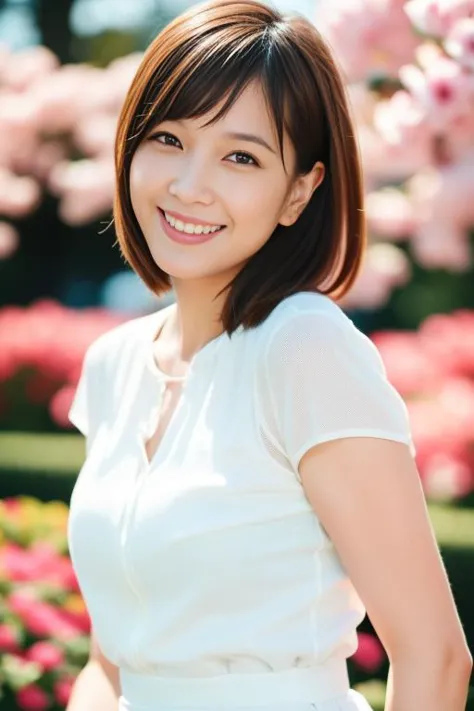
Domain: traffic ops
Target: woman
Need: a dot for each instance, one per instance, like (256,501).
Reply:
(249,490)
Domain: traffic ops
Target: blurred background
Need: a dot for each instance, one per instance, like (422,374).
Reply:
(64,70)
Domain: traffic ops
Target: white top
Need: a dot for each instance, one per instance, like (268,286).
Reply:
(210,560)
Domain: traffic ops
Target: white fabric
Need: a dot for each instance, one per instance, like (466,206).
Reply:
(316,688)
(209,560)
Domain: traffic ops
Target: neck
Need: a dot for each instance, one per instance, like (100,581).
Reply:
(195,318)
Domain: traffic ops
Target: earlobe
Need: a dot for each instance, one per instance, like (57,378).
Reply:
(289,219)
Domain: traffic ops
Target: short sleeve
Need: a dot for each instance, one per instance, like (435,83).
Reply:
(325,380)
(84,412)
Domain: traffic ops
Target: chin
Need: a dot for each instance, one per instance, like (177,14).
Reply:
(187,268)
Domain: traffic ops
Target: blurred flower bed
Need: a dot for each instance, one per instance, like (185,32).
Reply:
(432,368)
(44,625)
(40,361)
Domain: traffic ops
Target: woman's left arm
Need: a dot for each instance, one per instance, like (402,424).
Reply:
(368,496)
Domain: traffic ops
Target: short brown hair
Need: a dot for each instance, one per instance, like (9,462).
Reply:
(210,54)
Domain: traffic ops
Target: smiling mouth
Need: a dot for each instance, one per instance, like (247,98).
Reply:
(190,228)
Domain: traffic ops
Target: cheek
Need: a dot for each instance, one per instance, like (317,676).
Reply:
(259,203)
(138,178)
(146,175)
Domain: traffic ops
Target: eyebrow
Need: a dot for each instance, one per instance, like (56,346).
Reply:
(239,136)
(251,138)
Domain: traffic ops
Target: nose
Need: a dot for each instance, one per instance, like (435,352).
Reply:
(191,184)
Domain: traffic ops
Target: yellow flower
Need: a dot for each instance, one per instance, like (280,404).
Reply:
(30,510)
(56,513)
(74,603)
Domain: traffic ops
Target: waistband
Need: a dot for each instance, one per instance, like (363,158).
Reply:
(296,685)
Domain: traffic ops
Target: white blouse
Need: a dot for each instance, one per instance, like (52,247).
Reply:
(209,560)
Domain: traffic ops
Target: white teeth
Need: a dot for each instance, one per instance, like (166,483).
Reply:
(190,228)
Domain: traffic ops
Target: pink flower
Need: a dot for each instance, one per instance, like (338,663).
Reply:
(460,42)
(390,214)
(443,202)
(408,366)
(26,66)
(44,620)
(447,478)
(384,268)
(19,195)
(40,563)
(426,16)
(401,120)
(12,505)
(60,405)
(86,188)
(33,698)
(8,639)
(443,90)
(46,654)
(368,36)
(385,161)
(436,17)
(370,654)
(441,245)
(62,690)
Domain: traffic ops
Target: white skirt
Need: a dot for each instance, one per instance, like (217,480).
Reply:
(319,688)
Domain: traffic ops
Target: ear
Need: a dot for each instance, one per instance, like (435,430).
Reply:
(301,193)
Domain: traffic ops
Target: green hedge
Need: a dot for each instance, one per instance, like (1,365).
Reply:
(40,465)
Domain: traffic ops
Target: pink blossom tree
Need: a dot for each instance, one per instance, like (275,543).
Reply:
(410,72)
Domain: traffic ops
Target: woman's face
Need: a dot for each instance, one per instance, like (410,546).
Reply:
(228,176)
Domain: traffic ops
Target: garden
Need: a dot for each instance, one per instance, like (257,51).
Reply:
(410,75)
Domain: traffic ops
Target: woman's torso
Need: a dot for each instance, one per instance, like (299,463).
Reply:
(207,560)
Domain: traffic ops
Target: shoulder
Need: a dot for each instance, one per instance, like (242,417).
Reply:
(310,315)
(311,326)
(305,304)
(120,345)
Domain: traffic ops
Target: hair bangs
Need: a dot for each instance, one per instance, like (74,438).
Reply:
(215,80)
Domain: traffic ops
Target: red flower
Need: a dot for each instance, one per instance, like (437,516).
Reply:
(370,653)
(12,505)
(60,405)
(33,698)
(8,639)
(46,654)
(40,563)
(44,620)
(62,690)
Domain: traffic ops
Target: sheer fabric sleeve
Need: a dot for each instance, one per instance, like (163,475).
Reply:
(325,380)
(85,411)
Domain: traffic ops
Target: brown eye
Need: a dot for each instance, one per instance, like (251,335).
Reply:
(166,139)
(244,159)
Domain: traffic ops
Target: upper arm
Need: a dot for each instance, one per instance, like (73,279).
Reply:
(368,496)
(346,432)
(97,656)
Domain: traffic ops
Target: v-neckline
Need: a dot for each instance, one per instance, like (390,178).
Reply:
(147,433)
(158,321)
(155,418)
